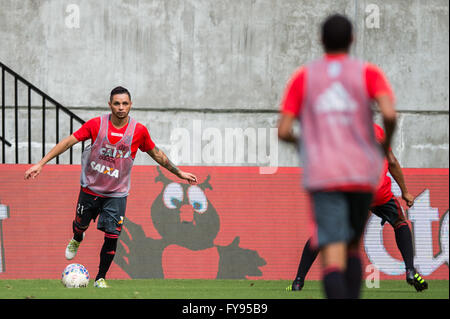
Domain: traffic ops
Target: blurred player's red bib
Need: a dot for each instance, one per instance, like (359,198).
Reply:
(106,167)
(338,146)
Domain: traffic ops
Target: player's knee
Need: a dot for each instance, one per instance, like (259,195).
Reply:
(79,228)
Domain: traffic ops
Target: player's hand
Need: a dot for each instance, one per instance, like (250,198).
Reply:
(409,199)
(191,178)
(33,171)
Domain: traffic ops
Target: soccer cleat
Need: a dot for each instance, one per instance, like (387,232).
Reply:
(101,283)
(72,248)
(297,285)
(415,279)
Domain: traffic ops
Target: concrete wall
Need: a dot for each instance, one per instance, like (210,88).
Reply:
(225,63)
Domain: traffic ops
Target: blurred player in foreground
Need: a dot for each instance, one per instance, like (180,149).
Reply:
(342,161)
(387,207)
(106,174)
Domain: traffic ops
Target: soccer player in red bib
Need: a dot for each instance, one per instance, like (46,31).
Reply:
(342,161)
(386,206)
(106,174)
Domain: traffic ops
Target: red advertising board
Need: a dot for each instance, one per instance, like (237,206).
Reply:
(245,225)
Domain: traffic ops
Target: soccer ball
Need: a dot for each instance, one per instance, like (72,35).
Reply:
(75,276)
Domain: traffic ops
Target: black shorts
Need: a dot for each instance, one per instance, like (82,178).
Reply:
(339,216)
(390,212)
(109,210)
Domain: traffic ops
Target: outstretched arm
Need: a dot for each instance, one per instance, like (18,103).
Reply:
(59,148)
(396,171)
(161,158)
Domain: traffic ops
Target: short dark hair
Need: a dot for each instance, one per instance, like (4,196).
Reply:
(119,90)
(337,32)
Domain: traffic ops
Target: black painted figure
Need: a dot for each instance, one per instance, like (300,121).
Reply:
(183,216)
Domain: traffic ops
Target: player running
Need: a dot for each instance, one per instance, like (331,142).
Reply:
(106,173)
(341,158)
(387,207)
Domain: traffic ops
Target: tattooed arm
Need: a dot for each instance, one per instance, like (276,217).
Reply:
(161,158)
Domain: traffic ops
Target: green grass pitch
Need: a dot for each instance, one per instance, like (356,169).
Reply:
(207,289)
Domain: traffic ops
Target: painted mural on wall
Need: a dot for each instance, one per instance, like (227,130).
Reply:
(236,223)
(186,220)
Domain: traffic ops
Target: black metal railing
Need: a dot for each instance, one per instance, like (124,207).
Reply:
(43,105)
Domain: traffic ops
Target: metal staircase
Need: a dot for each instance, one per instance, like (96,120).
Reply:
(33,105)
